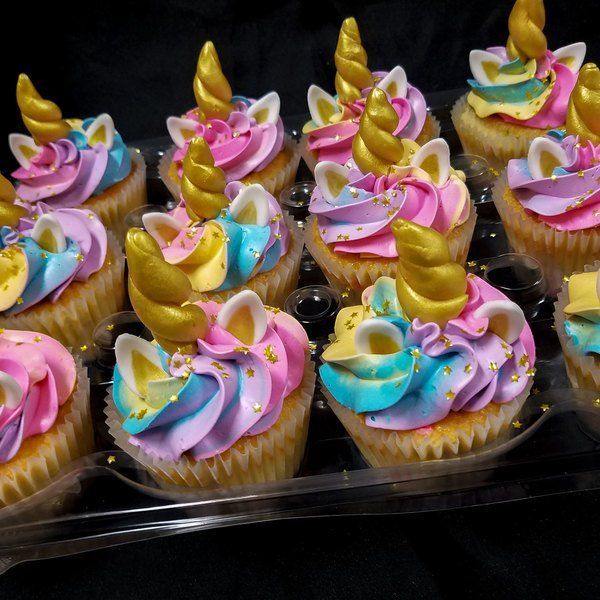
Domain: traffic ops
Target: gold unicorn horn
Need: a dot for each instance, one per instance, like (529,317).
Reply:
(203,183)
(42,117)
(525,24)
(351,63)
(375,148)
(583,113)
(157,291)
(430,286)
(10,213)
(211,88)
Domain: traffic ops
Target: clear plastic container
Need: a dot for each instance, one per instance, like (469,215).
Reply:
(106,499)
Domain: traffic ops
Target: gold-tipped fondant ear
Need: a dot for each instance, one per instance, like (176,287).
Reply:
(352,74)
(430,286)
(525,27)
(211,88)
(157,291)
(203,183)
(42,118)
(583,113)
(375,148)
(9,213)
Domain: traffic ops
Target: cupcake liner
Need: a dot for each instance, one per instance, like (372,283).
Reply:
(42,456)
(113,204)
(494,139)
(273,455)
(458,433)
(273,286)
(431,130)
(351,275)
(275,177)
(583,369)
(72,319)
(559,252)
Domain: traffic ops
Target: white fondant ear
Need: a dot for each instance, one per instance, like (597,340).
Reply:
(395,83)
(544,156)
(181,130)
(322,106)
(162,227)
(331,179)
(266,109)
(485,67)
(11,393)
(244,316)
(49,234)
(571,56)
(376,336)
(139,363)
(251,206)
(434,158)
(506,319)
(23,148)
(101,131)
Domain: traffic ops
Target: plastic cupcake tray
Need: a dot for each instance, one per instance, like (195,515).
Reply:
(553,447)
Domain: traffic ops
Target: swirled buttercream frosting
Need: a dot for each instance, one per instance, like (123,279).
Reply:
(37,376)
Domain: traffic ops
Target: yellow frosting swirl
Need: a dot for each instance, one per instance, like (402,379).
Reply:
(351,63)
(583,113)
(375,148)
(9,213)
(525,24)
(584,296)
(429,285)
(42,117)
(203,183)
(157,291)
(211,88)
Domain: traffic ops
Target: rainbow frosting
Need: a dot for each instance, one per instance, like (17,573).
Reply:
(220,235)
(335,119)
(387,179)
(216,373)
(583,312)
(430,342)
(37,376)
(244,134)
(64,162)
(525,83)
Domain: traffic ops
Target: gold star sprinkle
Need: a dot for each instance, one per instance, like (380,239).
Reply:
(493,366)
(110,327)
(530,372)
(535,391)
(415,353)
(19,300)
(514,378)
(508,355)
(417,367)
(312,346)
(597,401)
(580,173)
(450,395)
(188,361)
(111,459)
(545,407)
(37,338)
(141,414)
(270,354)
(174,398)
(345,293)
(471,263)
(90,216)
(250,372)
(256,407)
(523,360)
(447,370)
(517,424)
(44,255)
(83,348)
(80,257)
(468,368)
(185,375)
(242,349)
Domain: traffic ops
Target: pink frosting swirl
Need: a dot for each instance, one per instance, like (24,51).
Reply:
(240,145)
(44,373)
(569,200)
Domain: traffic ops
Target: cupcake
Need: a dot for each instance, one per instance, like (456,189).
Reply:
(227,237)
(354,206)
(62,271)
(222,397)
(334,120)
(577,318)
(518,92)
(44,415)
(550,202)
(75,163)
(430,365)
(246,136)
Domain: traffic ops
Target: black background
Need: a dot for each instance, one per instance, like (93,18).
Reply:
(136,61)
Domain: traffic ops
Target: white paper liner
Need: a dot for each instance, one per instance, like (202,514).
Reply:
(113,204)
(496,140)
(72,319)
(41,456)
(559,252)
(273,286)
(583,369)
(431,130)
(273,180)
(273,455)
(350,276)
(450,437)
